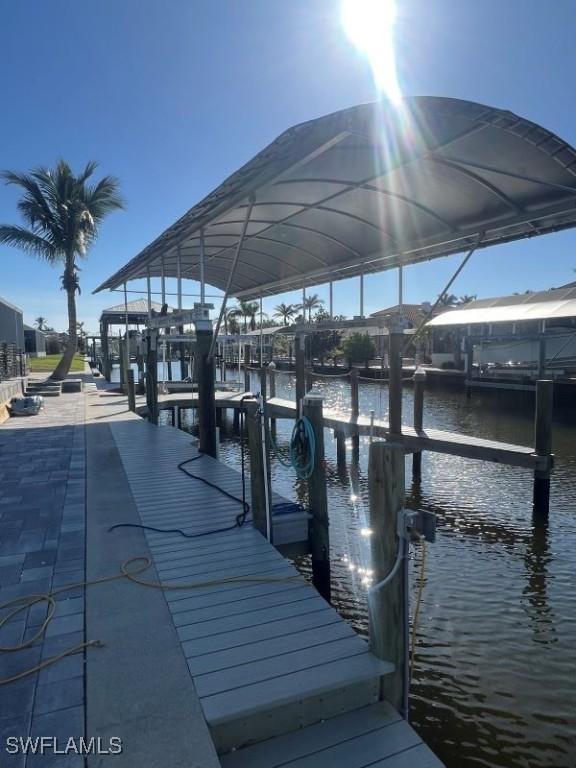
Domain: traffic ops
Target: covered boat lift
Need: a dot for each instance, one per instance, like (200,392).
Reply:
(364,190)
(540,325)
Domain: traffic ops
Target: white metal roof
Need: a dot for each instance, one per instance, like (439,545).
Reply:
(367,189)
(543,305)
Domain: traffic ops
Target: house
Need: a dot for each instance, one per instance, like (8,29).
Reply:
(34,341)
(11,325)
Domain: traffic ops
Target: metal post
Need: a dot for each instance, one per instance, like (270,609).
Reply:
(362,293)
(202,259)
(232,272)
(400,288)
(179,276)
(318,530)
(127,360)
(300,370)
(261,336)
(272,390)
(162,281)
(303,303)
(149,289)
(247,359)
(543,448)
(331,300)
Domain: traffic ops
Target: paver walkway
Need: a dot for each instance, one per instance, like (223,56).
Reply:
(42,546)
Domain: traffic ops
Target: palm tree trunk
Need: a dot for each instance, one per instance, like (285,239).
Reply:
(65,363)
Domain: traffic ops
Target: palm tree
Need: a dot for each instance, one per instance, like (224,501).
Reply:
(310,303)
(248,309)
(448,300)
(63,213)
(467,298)
(285,312)
(41,323)
(81,337)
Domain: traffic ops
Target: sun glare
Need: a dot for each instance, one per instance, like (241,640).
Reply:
(370,26)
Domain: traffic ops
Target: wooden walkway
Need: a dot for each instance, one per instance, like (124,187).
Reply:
(281,678)
(436,440)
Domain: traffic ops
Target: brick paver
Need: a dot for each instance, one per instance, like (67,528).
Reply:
(42,547)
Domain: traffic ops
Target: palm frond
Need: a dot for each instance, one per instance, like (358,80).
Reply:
(33,206)
(28,241)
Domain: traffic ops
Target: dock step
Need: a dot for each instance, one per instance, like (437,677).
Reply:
(371,736)
(252,703)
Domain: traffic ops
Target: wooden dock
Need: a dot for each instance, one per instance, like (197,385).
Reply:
(435,440)
(280,677)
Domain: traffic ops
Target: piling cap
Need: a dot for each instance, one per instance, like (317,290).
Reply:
(272,366)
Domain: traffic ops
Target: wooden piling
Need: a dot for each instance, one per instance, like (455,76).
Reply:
(469,365)
(122,365)
(300,370)
(541,356)
(387,619)
(152,382)
(257,481)
(355,407)
(544,412)
(396,341)
(340,448)
(178,417)
(131,390)
(206,395)
(318,529)
(182,352)
(419,384)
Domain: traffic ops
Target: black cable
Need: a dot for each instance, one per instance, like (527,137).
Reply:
(240,518)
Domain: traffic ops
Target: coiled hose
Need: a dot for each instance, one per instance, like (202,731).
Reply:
(302,452)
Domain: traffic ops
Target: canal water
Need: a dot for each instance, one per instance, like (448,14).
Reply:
(494,681)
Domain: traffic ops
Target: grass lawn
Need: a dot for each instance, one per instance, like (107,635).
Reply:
(48,363)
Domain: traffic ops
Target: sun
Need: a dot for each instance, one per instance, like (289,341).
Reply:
(370,26)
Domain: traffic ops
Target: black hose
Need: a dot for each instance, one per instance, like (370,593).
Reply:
(240,518)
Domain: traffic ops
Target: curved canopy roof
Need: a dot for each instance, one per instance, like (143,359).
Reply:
(367,189)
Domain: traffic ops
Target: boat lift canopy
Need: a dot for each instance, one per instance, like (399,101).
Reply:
(556,304)
(367,189)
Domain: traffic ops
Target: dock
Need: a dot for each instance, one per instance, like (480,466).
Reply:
(280,678)
(435,440)
(236,661)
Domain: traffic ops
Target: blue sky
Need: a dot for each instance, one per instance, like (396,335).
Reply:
(173,96)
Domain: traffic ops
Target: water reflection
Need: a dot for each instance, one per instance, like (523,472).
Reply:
(493,683)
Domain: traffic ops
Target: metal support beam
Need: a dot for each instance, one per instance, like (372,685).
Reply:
(179,277)
(232,273)
(202,260)
(149,289)
(331,299)
(362,293)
